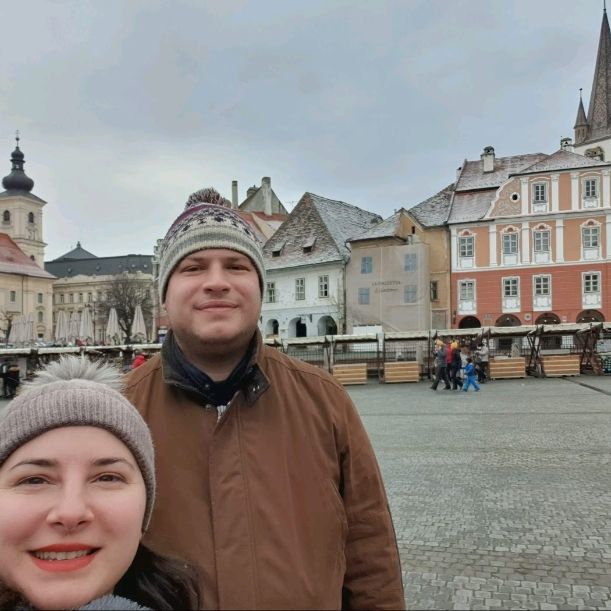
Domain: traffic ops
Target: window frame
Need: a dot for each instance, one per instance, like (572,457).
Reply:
(469,246)
(270,291)
(364,296)
(539,232)
(300,289)
(412,289)
(510,237)
(587,277)
(410,262)
(323,286)
(513,284)
(539,278)
(463,284)
(366,264)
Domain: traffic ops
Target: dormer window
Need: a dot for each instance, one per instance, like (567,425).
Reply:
(308,246)
(539,200)
(277,250)
(590,193)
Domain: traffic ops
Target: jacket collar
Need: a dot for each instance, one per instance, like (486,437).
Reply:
(252,384)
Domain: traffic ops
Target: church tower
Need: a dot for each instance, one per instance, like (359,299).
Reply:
(593,132)
(21,210)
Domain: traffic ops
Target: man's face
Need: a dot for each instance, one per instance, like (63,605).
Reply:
(213,298)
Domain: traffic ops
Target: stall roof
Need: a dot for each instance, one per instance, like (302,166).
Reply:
(561,328)
(403,335)
(305,341)
(519,330)
(344,339)
(458,332)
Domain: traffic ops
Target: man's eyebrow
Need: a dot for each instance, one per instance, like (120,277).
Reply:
(36,462)
(111,460)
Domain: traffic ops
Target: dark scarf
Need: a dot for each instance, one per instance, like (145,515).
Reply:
(178,370)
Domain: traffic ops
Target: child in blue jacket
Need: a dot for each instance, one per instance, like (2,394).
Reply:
(470,376)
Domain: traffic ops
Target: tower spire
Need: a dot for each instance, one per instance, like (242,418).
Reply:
(599,111)
(17,180)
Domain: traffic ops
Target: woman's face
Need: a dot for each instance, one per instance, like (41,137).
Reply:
(72,503)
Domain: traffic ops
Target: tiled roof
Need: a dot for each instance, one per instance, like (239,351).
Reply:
(468,207)
(100,266)
(388,228)
(328,221)
(77,253)
(434,211)
(14,261)
(473,176)
(562,160)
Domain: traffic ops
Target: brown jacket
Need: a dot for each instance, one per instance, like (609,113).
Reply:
(280,504)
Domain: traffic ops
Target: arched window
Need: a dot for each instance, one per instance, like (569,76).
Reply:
(6,216)
(40,317)
(30,217)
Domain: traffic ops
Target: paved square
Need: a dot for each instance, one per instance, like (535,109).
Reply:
(501,499)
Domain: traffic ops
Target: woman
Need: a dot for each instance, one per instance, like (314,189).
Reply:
(77,487)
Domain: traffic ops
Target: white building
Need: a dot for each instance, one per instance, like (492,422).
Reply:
(305,292)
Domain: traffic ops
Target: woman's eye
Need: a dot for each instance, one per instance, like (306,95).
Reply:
(109,477)
(32,481)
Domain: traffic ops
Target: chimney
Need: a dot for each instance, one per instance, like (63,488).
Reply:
(266,190)
(488,159)
(566,144)
(234,194)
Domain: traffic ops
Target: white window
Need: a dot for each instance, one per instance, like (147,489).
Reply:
(410,294)
(410,263)
(591,283)
(323,286)
(466,290)
(542,245)
(466,297)
(510,243)
(590,187)
(542,286)
(465,245)
(510,248)
(540,192)
(39,298)
(366,265)
(511,294)
(270,292)
(510,287)
(590,241)
(542,240)
(363,296)
(299,288)
(591,296)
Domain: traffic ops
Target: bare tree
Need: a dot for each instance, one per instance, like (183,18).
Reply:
(6,322)
(125,293)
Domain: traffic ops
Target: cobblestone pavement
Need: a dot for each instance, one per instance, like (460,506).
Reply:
(501,499)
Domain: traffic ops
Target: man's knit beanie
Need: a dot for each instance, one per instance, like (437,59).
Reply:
(207,222)
(75,391)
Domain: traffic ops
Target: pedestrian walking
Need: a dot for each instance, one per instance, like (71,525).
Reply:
(483,357)
(455,367)
(267,479)
(77,488)
(470,376)
(441,365)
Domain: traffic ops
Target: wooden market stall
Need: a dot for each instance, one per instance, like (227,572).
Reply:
(313,350)
(508,347)
(354,357)
(404,356)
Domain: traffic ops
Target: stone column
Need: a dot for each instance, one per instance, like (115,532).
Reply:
(555,195)
(492,243)
(606,189)
(559,258)
(575,191)
(525,243)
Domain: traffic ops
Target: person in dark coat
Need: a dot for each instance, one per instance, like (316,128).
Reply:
(456,366)
(441,365)
(12,379)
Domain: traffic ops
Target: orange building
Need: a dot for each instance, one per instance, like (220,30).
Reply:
(537,248)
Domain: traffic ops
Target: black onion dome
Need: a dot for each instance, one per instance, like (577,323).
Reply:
(17,180)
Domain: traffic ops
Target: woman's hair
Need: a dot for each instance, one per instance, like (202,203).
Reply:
(159,582)
(152,581)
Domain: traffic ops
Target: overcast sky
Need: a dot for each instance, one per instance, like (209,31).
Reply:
(126,107)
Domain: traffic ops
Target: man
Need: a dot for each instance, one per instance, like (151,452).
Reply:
(441,365)
(267,481)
